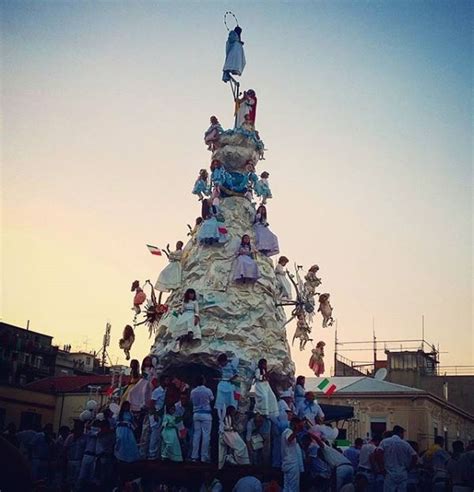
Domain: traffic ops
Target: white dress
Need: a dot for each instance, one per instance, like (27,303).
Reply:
(232,445)
(283,283)
(265,400)
(185,322)
(170,277)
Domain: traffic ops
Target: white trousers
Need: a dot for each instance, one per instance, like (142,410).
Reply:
(291,479)
(202,425)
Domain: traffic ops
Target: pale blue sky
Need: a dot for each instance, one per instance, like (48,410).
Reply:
(365,107)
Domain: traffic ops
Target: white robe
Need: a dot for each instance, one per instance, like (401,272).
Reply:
(235,56)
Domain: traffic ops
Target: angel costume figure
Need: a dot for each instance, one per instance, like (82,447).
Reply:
(232,447)
(316,363)
(302,331)
(326,310)
(170,277)
(226,389)
(283,284)
(234,55)
(126,448)
(211,136)
(187,324)
(246,109)
(311,281)
(246,269)
(127,340)
(139,298)
(265,400)
(265,241)
(262,188)
(201,186)
(170,446)
(212,230)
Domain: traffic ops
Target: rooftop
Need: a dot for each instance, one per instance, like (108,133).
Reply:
(361,384)
(71,384)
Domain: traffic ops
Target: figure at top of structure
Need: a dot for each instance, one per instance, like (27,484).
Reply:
(246,106)
(234,55)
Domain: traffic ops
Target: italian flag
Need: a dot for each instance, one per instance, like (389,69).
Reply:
(154,250)
(327,387)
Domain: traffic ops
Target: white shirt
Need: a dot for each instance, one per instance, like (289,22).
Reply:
(310,411)
(291,454)
(364,457)
(201,398)
(397,455)
(334,458)
(158,397)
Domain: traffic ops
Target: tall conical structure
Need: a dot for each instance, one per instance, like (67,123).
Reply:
(241,319)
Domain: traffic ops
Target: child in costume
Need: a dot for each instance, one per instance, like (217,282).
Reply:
(299,391)
(187,325)
(246,269)
(170,277)
(316,362)
(201,186)
(139,298)
(265,400)
(265,241)
(302,330)
(211,136)
(226,390)
(262,188)
(232,447)
(126,448)
(212,230)
(170,446)
(283,284)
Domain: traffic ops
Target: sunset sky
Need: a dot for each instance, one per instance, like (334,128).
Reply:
(366,111)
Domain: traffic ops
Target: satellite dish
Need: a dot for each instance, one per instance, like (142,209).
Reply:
(381,374)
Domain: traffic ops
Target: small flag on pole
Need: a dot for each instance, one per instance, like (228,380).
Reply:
(154,250)
(327,387)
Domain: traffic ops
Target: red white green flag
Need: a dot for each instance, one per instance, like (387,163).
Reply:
(154,250)
(327,387)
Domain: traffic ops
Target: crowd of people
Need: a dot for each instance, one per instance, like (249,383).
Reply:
(163,419)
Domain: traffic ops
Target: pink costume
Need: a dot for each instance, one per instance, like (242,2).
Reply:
(316,363)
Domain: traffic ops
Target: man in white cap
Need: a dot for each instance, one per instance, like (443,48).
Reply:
(286,406)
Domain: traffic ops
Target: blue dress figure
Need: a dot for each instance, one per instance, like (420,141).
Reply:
(212,230)
(246,269)
(126,448)
(262,188)
(201,186)
(226,389)
(234,55)
(170,446)
(265,241)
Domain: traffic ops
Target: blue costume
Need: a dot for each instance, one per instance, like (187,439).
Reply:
(201,187)
(262,188)
(226,389)
(126,448)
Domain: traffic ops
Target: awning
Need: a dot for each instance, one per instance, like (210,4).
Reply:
(333,413)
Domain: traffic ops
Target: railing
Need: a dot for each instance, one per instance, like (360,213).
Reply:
(456,371)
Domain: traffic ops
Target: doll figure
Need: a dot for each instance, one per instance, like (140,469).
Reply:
(127,340)
(218,173)
(201,186)
(187,324)
(316,362)
(299,391)
(311,281)
(212,134)
(170,277)
(283,284)
(126,448)
(326,310)
(246,269)
(265,400)
(265,241)
(262,188)
(193,230)
(251,180)
(246,108)
(302,331)
(139,298)
(234,55)
(212,230)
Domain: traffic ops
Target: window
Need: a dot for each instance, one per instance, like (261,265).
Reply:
(88,361)
(378,426)
(30,420)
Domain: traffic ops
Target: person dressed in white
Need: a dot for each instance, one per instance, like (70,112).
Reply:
(310,410)
(397,457)
(231,446)
(156,417)
(187,327)
(338,462)
(291,456)
(201,398)
(265,400)
(234,55)
(283,284)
